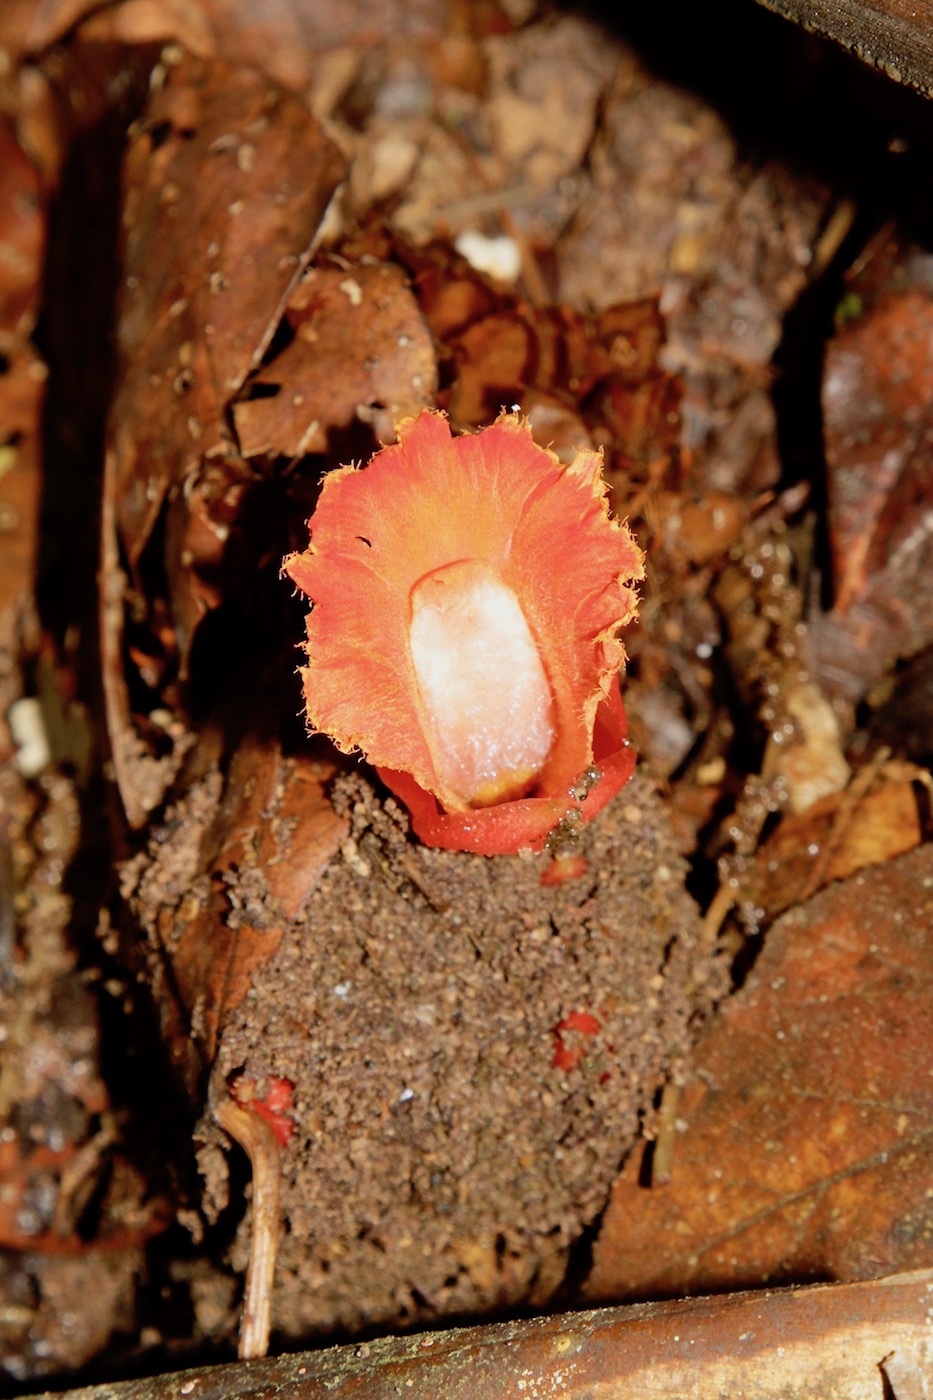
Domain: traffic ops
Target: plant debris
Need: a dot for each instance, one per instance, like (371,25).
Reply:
(238,244)
(804,1147)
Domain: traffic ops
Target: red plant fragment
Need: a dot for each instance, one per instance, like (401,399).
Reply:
(583,1021)
(274,1104)
(468,594)
(562,868)
(566,1056)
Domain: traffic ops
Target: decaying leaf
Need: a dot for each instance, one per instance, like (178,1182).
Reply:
(269,819)
(805,1148)
(361,351)
(836,836)
(22,373)
(877,392)
(226,180)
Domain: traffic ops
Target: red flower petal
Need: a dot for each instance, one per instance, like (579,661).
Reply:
(527,822)
(467,597)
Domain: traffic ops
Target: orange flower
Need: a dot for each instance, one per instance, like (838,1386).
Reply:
(467,597)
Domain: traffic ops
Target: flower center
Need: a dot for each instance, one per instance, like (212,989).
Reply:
(482,684)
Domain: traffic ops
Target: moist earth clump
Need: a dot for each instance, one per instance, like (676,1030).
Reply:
(472,1052)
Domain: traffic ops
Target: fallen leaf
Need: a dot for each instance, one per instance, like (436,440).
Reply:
(234,868)
(545,86)
(226,181)
(450,292)
(877,390)
(22,373)
(22,238)
(804,1148)
(288,38)
(360,351)
(877,387)
(837,836)
(22,393)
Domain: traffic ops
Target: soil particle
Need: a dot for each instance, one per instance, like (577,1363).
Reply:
(472,1054)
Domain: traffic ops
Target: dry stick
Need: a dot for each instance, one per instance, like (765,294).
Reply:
(662,1161)
(715,916)
(849,1340)
(260,1144)
(535,283)
(78,1172)
(837,229)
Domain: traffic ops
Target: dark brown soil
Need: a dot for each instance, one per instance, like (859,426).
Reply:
(442,1162)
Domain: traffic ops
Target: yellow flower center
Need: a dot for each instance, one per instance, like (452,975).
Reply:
(486,697)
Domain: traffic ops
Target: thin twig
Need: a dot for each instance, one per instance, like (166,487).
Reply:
(662,1161)
(715,917)
(260,1144)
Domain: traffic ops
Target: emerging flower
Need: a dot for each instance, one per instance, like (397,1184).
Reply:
(467,598)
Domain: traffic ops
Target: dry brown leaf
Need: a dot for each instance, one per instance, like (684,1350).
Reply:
(805,1148)
(877,391)
(584,378)
(545,86)
(22,390)
(22,373)
(496,358)
(226,181)
(361,351)
(287,37)
(450,292)
(22,238)
(274,825)
(837,836)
